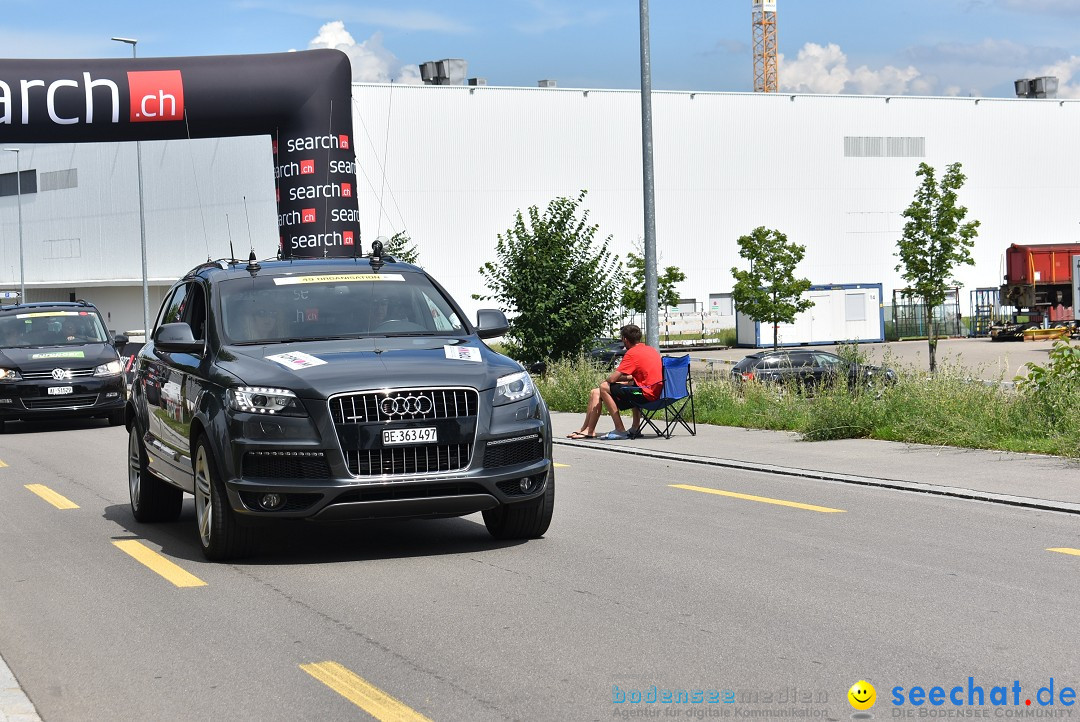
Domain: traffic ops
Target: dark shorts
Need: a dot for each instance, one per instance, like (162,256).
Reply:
(623,393)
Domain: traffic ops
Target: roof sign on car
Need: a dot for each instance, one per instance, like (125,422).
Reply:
(337,278)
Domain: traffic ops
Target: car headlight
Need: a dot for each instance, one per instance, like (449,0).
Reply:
(113,368)
(10,375)
(265,400)
(514,387)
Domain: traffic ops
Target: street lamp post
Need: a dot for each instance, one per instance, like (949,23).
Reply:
(142,214)
(18,191)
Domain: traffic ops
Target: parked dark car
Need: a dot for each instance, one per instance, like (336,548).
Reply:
(809,368)
(58,361)
(327,390)
(608,351)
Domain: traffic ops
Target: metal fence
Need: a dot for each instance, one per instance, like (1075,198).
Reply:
(909,317)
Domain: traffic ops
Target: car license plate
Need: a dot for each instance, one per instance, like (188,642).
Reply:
(60,390)
(424,435)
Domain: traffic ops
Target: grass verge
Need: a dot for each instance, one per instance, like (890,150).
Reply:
(949,408)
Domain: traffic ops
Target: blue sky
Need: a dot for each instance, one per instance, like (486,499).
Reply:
(944,47)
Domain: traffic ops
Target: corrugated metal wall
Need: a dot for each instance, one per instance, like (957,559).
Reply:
(452,165)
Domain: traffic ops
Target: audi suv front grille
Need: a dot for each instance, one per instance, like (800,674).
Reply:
(360,418)
(403,405)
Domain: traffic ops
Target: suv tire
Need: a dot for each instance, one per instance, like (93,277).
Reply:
(221,534)
(151,498)
(526,519)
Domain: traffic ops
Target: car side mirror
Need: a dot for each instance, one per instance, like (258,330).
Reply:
(177,338)
(119,339)
(491,322)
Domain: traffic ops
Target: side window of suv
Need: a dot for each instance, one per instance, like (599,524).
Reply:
(173,309)
(196,311)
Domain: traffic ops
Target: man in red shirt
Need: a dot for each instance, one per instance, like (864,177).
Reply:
(640,375)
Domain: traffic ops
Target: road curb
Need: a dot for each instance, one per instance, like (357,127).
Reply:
(896,484)
(15,706)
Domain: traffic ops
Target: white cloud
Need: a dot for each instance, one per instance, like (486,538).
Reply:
(824,69)
(1068,74)
(371,62)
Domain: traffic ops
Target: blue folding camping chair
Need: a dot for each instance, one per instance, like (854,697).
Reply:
(676,401)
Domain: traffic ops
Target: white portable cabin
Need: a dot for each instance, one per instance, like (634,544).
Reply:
(846,312)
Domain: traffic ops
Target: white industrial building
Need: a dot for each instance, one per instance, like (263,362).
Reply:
(452,164)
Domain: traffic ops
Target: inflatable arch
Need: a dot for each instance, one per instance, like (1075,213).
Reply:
(302,100)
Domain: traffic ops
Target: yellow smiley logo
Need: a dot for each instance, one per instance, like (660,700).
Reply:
(862,695)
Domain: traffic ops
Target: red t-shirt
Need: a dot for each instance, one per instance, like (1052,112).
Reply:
(643,363)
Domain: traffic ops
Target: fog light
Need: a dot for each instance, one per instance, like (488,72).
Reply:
(527,485)
(272,501)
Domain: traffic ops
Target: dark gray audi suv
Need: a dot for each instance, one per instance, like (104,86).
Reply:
(331,389)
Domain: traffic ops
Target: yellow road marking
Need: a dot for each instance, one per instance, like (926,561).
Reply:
(561,466)
(1065,550)
(60,502)
(763,499)
(362,693)
(154,561)
(2,464)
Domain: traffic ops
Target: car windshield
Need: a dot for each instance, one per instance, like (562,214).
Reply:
(46,327)
(270,309)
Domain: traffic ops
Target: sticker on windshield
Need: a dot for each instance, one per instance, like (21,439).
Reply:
(462,353)
(59,354)
(43,314)
(296,360)
(338,278)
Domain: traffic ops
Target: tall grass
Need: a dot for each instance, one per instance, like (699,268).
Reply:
(949,408)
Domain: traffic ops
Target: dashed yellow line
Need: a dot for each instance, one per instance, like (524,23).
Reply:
(57,500)
(1065,550)
(157,563)
(362,693)
(561,466)
(2,464)
(762,499)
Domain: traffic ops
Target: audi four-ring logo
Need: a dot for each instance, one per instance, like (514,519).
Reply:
(402,405)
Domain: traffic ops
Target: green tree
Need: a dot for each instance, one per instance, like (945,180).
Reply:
(769,291)
(633,289)
(560,286)
(935,241)
(401,248)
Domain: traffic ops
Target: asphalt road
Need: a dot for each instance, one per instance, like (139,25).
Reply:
(637,584)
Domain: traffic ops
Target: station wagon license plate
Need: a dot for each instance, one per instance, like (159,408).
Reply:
(60,390)
(424,435)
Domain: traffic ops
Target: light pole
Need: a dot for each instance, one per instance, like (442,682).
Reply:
(142,214)
(18,191)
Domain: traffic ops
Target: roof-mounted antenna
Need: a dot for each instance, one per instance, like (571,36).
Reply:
(228,227)
(251,243)
(253,265)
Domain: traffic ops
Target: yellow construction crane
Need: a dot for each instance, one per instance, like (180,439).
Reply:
(765,75)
